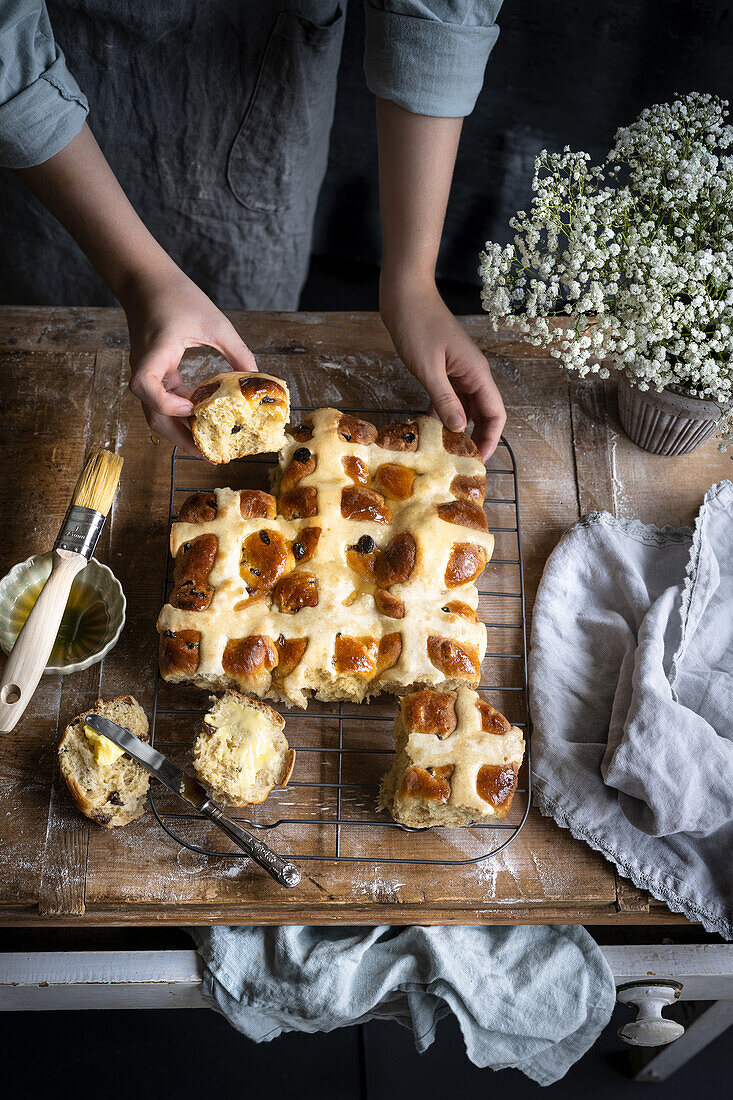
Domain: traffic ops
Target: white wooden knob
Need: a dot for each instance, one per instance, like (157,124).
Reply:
(650,1028)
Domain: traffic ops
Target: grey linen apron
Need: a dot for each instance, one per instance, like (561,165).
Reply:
(215,118)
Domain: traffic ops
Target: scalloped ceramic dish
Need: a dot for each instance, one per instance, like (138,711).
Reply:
(92,622)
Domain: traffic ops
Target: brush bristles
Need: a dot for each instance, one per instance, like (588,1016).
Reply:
(97,485)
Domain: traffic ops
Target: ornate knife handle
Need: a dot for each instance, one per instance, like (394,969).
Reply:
(287,874)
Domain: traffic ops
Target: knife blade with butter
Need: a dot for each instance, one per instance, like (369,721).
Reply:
(190,791)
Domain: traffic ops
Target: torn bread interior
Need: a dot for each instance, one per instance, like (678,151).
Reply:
(242,753)
(239,413)
(107,785)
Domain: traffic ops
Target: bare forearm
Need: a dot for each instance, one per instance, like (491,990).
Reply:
(416,158)
(166,312)
(80,189)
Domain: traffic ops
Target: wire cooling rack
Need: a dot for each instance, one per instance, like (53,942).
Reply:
(328,810)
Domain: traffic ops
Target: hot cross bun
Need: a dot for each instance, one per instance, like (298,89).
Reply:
(241,752)
(357,575)
(236,414)
(108,786)
(456,762)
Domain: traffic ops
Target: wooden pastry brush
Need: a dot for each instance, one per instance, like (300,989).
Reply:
(77,539)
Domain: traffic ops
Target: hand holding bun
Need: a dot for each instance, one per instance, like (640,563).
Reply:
(237,414)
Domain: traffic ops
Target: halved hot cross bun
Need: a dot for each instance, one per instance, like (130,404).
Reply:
(242,752)
(239,413)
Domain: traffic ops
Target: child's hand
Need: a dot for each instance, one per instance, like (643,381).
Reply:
(167,313)
(436,348)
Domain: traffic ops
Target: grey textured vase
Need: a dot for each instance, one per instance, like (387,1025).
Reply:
(669,422)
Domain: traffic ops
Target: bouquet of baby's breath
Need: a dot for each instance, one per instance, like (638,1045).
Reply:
(637,253)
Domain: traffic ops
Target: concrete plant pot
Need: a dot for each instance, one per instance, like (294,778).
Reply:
(666,422)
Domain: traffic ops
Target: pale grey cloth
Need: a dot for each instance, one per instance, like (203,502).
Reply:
(631,681)
(429,56)
(41,106)
(532,998)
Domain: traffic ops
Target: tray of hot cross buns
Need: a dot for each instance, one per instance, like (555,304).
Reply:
(342,638)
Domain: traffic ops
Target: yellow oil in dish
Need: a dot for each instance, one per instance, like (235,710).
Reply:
(83,626)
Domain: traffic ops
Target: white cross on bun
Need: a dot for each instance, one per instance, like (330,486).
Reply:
(456,762)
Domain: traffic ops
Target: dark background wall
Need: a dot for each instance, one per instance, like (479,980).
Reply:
(562,73)
(53,1053)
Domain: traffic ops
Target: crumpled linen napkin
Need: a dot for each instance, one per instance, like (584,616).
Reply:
(631,688)
(533,998)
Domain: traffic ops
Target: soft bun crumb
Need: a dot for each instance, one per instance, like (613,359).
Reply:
(242,752)
(239,413)
(113,794)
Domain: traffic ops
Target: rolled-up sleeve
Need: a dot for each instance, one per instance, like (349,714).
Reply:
(41,105)
(429,56)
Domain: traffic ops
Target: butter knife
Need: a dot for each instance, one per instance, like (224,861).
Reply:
(189,790)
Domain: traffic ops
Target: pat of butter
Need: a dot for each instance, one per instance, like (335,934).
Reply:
(105,751)
(248,741)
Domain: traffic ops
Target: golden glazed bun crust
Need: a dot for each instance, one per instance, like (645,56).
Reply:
(456,762)
(357,576)
(239,413)
(114,794)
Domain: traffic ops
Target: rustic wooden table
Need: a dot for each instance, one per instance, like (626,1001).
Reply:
(65,373)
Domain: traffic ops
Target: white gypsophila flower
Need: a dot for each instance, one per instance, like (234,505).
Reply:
(636,254)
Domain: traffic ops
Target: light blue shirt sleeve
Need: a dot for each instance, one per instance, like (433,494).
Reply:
(429,56)
(41,105)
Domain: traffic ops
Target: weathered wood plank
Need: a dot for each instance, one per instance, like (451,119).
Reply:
(283,334)
(660,489)
(153,915)
(629,898)
(43,456)
(64,859)
(593,441)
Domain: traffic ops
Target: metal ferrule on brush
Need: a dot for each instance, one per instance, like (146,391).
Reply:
(80,530)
